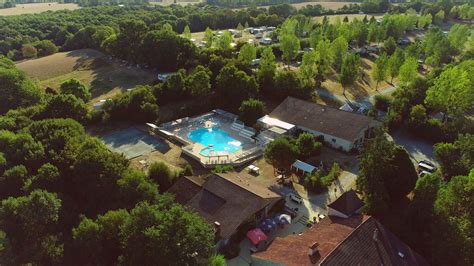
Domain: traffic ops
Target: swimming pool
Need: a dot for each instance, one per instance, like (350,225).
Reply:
(215,139)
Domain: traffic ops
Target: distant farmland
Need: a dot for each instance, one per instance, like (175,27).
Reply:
(105,77)
(36,8)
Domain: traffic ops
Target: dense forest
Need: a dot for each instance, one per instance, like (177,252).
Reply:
(66,199)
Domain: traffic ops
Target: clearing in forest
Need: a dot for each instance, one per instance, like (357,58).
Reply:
(106,77)
(36,8)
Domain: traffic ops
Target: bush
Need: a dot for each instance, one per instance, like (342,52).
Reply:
(382,102)
(162,175)
(250,110)
(223,169)
(307,145)
(332,175)
(314,182)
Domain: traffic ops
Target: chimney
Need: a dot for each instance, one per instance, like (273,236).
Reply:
(375,236)
(313,249)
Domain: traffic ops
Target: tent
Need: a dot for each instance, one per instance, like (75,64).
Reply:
(283,219)
(346,107)
(304,167)
(256,236)
(268,224)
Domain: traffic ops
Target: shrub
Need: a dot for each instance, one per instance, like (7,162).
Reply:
(332,175)
(382,102)
(314,182)
(307,145)
(223,169)
(250,110)
(162,175)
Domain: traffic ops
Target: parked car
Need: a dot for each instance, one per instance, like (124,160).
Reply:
(295,198)
(426,166)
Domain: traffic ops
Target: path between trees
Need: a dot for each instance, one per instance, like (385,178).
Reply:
(366,100)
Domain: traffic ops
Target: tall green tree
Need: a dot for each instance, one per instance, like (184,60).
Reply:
(289,45)
(394,63)
(309,67)
(248,53)
(235,85)
(408,71)
(224,41)
(30,224)
(266,70)
(380,70)
(16,89)
(250,110)
(339,50)
(281,152)
(199,83)
(350,71)
(208,37)
(458,36)
(453,91)
(187,32)
(165,236)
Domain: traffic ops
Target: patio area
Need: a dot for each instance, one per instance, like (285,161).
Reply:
(221,138)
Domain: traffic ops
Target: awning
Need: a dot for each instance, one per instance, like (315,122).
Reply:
(256,236)
(299,165)
(152,125)
(270,122)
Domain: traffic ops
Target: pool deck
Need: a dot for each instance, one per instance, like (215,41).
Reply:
(227,122)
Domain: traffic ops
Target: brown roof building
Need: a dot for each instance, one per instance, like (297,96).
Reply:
(229,199)
(342,129)
(346,205)
(358,240)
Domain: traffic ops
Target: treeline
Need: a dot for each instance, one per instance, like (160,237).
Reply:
(65,198)
(107,2)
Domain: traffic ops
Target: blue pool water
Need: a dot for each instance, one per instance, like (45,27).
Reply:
(218,138)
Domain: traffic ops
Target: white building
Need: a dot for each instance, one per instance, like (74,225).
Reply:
(339,129)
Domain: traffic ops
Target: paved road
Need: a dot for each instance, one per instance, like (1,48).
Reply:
(417,149)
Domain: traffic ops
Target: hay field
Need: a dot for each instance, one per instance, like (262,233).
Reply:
(105,77)
(178,2)
(36,8)
(327,5)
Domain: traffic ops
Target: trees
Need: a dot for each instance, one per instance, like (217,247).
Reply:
(161,173)
(456,158)
(76,88)
(437,46)
(389,46)
(287,83)
(46,47)
(248,53)
(349,71)
(235,85)
(325,57)
(129,41)
(65,106)
(453,90)
(395,62)
(208,37)
(157,235)
(307,146)
(199,83)
(224,41)
(16,89)
(380,71)
(29,51)
(30,224)
(174,50)
(187,32)
(409,70)
(454,208)
(280,152)
(309,67)
(137,105)
(266,69)
(289,45)
(250,110)
(458,35)
(339,50)
(386,174)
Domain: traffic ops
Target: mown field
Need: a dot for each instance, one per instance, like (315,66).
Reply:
(104,76)
(36,8)
(179,2)
(334,18)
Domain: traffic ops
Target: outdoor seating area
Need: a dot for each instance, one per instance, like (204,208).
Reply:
(253,169)
(259,236)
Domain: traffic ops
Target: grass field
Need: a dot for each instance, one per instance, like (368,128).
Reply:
(327,5)
(104,76)
(36,8)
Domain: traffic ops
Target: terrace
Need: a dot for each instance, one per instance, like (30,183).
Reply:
(214,138)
